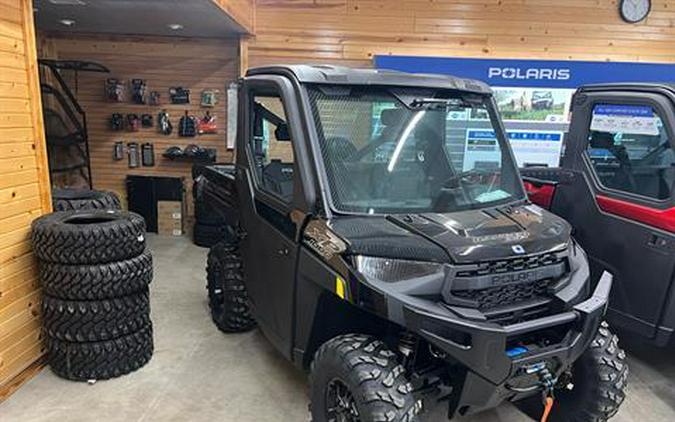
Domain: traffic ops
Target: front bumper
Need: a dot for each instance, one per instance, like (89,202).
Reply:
(482,346)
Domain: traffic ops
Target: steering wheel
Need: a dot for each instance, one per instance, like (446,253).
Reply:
(469,177)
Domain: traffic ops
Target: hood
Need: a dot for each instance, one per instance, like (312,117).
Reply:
(461,237)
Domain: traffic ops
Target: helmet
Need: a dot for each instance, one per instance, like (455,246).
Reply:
(193,150)
(173,152)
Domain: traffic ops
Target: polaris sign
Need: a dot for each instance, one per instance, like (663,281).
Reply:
(531,73)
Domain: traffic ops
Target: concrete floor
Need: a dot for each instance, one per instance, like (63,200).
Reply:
(200,374)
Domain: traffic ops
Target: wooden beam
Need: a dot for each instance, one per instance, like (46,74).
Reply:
(243,55)
(36,107)
(242,13)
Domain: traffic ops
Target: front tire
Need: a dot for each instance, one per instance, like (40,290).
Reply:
(598,379)
(357,378)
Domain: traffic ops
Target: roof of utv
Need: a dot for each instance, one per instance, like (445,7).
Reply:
(628,86)
(340,75)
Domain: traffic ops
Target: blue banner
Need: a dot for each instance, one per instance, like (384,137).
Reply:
(531,73)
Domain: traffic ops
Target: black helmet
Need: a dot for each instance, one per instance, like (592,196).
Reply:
(193,150)
(173,152)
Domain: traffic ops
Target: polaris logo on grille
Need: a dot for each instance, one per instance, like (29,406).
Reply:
(520,277)
(518,249)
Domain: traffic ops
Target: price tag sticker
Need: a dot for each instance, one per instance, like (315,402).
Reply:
(628,119)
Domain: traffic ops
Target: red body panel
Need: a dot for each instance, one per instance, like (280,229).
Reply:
(662,219)
(541,195)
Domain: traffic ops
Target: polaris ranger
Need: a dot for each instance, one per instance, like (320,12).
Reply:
(397,261)
(615,187)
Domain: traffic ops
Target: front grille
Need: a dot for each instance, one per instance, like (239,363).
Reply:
(506,295)
(511,265)
(495,286)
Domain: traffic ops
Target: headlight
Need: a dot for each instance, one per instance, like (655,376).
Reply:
(391,270)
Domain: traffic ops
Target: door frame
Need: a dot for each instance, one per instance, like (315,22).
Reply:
(270,208)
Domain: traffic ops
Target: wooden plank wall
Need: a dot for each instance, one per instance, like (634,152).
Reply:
(196,64)
(350,32)
(24,193)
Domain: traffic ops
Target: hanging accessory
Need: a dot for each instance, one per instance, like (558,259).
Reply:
(209,98)
(200,153)
(148,154)
(133,122)
(155,97)
(114,90)
(117,121)
(173,152)
(207,124)
(118,151)
(193,151)
(134,159)
(146,120)
(187,126)
(179,95)
(138,89)
(163,123)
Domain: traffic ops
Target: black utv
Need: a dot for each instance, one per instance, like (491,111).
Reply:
(382,240)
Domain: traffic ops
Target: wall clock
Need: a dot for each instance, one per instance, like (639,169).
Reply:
(634,11)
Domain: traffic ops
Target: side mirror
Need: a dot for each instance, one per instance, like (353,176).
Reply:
(281,132)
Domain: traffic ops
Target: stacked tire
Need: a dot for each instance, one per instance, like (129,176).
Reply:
(95,274)
(210,227)
(84,199)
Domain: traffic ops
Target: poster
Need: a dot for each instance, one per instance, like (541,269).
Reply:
(530,147)
(533,104)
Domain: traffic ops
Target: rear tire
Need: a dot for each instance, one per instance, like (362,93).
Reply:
(359,378)
(207,236)
(228,298)
(205,214)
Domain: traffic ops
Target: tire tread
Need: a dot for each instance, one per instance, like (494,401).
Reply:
(93,321)
(385,392)
(96,282)
(230,308)
(100,360)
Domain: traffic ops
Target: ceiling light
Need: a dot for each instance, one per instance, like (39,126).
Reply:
(67,22)
(175,26)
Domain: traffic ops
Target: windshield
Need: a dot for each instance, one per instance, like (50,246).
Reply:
(403,150)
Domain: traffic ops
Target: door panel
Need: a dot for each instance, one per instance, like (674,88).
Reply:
(621,211)
(269,267)
(269,187)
